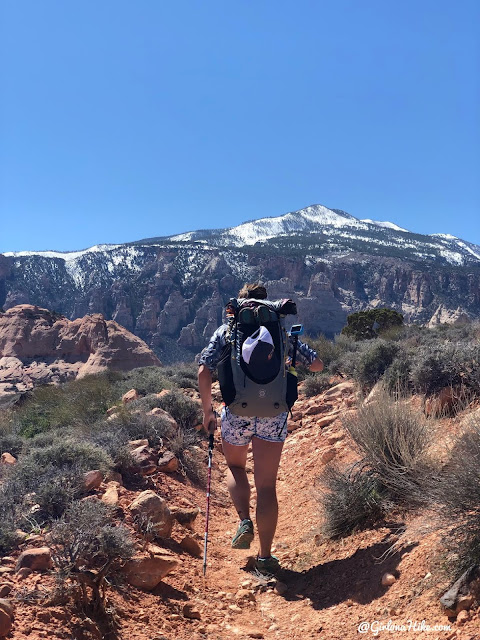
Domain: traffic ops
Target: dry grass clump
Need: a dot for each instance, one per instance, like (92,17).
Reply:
(394,470)
(351,499)
(458,498)
(393,440)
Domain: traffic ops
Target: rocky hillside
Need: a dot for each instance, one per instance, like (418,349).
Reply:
(372,580)
(38,346)
(171,291)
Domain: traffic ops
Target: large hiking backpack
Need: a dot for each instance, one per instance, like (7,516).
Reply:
(252,372)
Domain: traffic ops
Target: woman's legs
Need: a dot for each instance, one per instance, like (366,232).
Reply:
(266,456)
(237,481)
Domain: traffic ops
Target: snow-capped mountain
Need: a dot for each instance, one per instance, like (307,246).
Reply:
(171,291)
(315,228)
(313,219)
(332,230)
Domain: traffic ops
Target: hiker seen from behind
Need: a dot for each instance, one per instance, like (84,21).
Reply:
(254,357)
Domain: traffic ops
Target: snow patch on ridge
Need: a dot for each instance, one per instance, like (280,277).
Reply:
(386,225)
(63,255)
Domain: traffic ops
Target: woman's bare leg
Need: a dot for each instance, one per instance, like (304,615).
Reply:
(237,481)
(266,456)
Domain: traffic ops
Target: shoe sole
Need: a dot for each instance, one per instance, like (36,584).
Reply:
(267,569)
(243,541)
(268,572)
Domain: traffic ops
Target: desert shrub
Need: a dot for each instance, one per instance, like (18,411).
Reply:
(327,350)
(12,443)
(10,508)
(396,378)
(55,491)
(393,440)
(52,476)
(184,376)
(145,380)
(87,547)
(145,403)
(70,453)
(315,384)
(8,535)
(447,365)
(125,426)
(347,361)
(182,408)
(352,499)
(78,402)
(112,436)
(364,325)
(374,361)
(458,497)
(183,443)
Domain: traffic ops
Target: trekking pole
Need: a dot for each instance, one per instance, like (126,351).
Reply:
(210,456)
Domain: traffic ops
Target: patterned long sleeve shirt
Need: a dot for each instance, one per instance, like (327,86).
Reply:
(210,356)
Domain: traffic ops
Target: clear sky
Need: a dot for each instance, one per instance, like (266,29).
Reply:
(122,120)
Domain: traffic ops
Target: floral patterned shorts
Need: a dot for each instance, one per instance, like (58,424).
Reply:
(239,430)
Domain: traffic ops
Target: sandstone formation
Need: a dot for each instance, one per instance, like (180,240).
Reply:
(149,506)
(147,571)
(38,346)
(36,559)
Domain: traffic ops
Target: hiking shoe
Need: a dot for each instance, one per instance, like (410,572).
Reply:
(267,565)
(244,535)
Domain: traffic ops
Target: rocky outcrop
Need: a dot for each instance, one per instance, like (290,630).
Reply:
(444,315)
(147,571)
(38,346)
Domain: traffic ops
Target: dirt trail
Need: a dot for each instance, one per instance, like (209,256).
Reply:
(330,588)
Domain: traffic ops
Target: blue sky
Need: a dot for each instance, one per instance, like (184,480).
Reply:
(123,120)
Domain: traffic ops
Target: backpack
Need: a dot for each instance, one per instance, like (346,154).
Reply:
(252,372)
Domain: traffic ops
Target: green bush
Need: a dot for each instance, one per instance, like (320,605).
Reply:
(364,325)
(47,479)
(182,408)
(184,376)
(8,535)
(74,403)
(69,454)
(55,491)
(145,403)
(374,361)
(10,511)
(126,425)
(192,459)
(326,350)
(11,443)
(145,380)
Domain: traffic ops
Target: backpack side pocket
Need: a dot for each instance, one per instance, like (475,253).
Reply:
(225,375)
